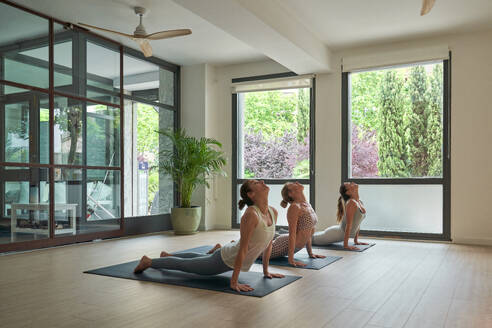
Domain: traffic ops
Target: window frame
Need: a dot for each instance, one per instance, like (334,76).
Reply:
(445,180)
(79,38)
(235,137)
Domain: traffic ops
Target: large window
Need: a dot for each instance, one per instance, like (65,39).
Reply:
(149,107)
(274,138)
(62,132)
(395,147)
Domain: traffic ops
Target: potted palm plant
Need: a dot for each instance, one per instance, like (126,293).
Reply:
(190,163)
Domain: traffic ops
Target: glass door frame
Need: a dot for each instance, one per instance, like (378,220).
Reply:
(445,180)
(236,130)
(79,60)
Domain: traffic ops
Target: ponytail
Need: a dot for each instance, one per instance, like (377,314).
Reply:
(244,195)
(286,199)
(340,209)
(341,202)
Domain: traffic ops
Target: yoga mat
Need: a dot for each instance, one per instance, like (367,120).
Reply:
(221,283)
(313,264)
(339,247)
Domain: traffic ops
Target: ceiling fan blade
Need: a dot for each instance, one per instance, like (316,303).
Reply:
(106,30)
(145,47)
(426,6)
(167,34)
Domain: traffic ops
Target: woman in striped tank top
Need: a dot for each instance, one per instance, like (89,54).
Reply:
(257,231)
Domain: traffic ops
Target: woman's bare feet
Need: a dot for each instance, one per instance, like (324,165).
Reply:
(216,247)
(144,264)
(165,254)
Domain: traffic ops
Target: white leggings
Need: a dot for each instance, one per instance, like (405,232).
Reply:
(333,234)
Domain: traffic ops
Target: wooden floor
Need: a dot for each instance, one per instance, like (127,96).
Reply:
(393,284)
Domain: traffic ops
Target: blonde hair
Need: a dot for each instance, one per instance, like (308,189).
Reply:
(286,199)
(341,202)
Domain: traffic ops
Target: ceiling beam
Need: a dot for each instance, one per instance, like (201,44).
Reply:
(266,27)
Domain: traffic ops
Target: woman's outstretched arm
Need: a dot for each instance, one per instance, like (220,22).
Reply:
(247,227)
(350,208)
(309,248)
(266,256)
(356,239)
(292,216)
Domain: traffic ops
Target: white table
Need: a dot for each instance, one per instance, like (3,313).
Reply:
(41,207)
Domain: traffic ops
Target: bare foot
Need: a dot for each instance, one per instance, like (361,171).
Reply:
(216,247)
(144,264)
(165,254)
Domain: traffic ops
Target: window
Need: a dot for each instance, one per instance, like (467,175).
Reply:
(149,107)
(395,145)
(396,122)
(64,131)
(274,138)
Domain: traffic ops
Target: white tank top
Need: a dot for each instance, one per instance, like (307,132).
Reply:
(262,235)
(357,220)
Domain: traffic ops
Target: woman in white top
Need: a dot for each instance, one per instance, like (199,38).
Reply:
(257,231)
(350,213)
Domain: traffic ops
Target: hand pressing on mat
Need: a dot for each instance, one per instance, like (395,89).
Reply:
(297,263)
(273,275)
(351,248)
(241,287)
(360,243)
(316,256)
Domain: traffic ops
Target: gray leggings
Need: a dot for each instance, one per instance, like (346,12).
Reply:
(204,264)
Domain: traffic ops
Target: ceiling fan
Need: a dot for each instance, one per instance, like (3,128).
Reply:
(140,35)
(426,6)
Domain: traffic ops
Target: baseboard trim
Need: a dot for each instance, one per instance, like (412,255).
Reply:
(472,241)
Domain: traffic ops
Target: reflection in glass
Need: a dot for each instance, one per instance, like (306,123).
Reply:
(274,199)
(166,87)
(154,188)
(103,135)
(148,81)
(68,131)
(68,201)
(103,72)
(103,199)
(24,197)
(25,125)
(22,47)
(273,140)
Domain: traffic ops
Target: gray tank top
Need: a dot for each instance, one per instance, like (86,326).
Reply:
(358,217)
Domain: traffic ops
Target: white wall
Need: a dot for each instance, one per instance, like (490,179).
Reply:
(193,115)
(471,131)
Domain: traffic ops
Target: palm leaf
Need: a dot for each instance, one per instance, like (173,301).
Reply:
(191,161)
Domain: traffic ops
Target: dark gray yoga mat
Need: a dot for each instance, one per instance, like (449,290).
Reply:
(339,247)
(313,264)
(221,283)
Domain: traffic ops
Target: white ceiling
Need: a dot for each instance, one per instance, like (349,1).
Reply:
(207,44)
(349,23)
(330,24)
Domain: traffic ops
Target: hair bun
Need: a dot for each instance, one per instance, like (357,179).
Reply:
(241,204)
(283,203)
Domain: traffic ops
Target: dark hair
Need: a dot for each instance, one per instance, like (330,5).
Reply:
(286,199)
(341,202)
(245,188)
